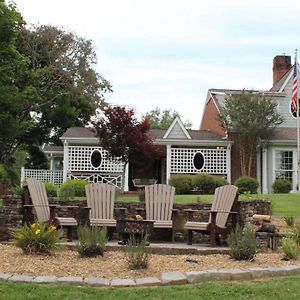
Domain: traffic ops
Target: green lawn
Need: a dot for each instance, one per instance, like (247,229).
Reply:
(280,288)
(282,204)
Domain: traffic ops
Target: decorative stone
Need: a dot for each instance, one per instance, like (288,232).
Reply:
(20,278)
(173,278)
(95,281)
(146,281)
(119,282)
(237,274)
(72,280)
(5,276)
(45,279)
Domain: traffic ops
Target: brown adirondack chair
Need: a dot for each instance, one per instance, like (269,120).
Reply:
(101,198)
(35,196)
(222,206)
(159,200)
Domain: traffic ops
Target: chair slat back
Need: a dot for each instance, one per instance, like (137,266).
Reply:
(159,200)
(100,198)
(39,199)
(223,201)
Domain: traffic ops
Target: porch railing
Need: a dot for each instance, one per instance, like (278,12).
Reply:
(55,177)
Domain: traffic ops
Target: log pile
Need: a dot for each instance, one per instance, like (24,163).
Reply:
(262,223)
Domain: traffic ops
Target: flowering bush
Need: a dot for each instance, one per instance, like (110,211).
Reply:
(36,238)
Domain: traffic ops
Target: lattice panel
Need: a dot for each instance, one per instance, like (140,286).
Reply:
(115,180)
(80,160)
(182,161)
(55,177)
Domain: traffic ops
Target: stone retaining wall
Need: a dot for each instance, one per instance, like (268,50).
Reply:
(11,215)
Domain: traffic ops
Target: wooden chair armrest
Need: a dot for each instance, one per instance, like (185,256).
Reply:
(221,211)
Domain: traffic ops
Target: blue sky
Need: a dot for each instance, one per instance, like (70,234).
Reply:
(169,53)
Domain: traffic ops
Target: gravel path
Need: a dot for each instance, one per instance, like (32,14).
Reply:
(113,264)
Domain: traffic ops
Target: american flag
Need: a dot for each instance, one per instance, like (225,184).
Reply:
(295,89)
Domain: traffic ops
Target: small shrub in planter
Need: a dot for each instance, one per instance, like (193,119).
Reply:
(51,189)
(36,238)
(91,241)
(290,248)
(72,188)
(182,183)
(242,243)
(137,254)
(204,182)
(247,184)
(281,186)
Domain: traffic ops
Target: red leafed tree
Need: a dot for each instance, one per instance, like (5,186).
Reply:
(124,137)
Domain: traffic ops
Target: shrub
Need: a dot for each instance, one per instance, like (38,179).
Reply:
(91,241)
(136,253)
(51,189)
(289,221)
(72,188)
(281,186)
(246,184)
(242,243)
(220,181)
(290,248)
(36,238)
(204,182)
(182,183)
(18,190)
(296,232)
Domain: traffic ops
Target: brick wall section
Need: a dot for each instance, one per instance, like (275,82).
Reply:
(11,214)
(210,119)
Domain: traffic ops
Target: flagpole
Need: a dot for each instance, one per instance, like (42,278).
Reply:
(298,129)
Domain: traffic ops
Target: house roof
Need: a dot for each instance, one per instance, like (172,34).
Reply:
(284,133)
(79,132)
(157,134)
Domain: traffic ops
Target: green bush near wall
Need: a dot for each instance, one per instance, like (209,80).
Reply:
(281,186)
(73,188)
(182,183)
(247,184)
(51,189)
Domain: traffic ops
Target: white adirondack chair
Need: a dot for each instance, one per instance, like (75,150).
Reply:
(36,197)
(101,198)
(222,205)
(159,199)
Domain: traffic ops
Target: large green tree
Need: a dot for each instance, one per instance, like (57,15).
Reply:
(162,119)
(249,117)
(47,83)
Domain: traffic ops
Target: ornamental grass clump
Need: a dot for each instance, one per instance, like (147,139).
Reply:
(136,253)
(36,238)
(290,248)
(242,243)
(91,241)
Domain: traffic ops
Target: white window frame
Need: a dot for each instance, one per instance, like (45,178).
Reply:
(294,170)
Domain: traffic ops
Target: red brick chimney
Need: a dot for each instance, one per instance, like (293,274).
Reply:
(281,64)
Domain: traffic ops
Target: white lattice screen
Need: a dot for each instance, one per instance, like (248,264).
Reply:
(55,177)
(182,160)
(80,160)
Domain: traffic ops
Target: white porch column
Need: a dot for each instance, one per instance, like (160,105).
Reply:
(228,163)
(126,179)
(66,161)
(22,176)
(168,172)
(258,168)
(265,171)
(52,165)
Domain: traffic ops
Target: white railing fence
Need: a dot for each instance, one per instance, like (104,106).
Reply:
(55,177)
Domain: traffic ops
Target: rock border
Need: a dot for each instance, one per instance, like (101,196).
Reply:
(167,278)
